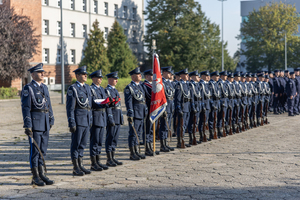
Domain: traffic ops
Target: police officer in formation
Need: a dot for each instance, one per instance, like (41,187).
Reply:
(38,119)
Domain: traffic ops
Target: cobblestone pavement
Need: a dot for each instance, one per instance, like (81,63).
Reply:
(262,163)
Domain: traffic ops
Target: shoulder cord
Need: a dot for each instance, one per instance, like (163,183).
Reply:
(213,86)
(222,88)
(184,95)
(204,91)
(238,94)
(198,95)
(134,95)
(36,104)
(171,93)
(82,105)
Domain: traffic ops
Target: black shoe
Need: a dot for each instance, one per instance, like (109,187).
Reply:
(94,165)
(296,113)
(76,170)
(190,139)
(187,145)
(163,148)
(110,162)
(211,135)
(179,143)
(199,142)
(291,115)
(114,159)
(105,167)
(148,151)
(44,177)
(132,154)
(174,135)
(156,152)
(170,148)
(80,164)
(137,153)
(276,113)
(36,180)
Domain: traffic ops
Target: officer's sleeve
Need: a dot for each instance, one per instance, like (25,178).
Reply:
(128,102)
(192,96)
(108,108)
(26,107)
(177,97)
(89,90)
(51,116)
(70,106)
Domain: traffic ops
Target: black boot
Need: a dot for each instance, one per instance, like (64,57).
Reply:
(105,167)
(190,139)
(211,135)
(114,159)
(170,148)
(148,150)
(227,130)
(178,142)
(220,132)
(80,164)
(132,154)
(150,147)
(163,148)
(44,177)
(110,162)
(201,138)
(94,165)
(36,180)
(137,153)
(76,170)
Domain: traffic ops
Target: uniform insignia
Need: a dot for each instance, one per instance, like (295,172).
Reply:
(127,91)
(34,85)
(39,100)
(78,85)
(178,86)
(95,87)
(70,92)
(25,93)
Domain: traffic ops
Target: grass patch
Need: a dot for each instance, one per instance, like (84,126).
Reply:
(8,93)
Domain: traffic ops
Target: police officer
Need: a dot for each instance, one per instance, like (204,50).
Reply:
(38,119)
(250,89)
(167,116)
(197,95)
(175,119)
(206,104)
(297,97)
(271,84)
(115,119)
(231,100)
(244,100)
(238,101)
(79,103)
(277,93)
(99,104)
(291,93)
(183,105)
(215,103)
(261,98)
(283,97)
(224,89)
(136,112)
(268,94)
(148,74)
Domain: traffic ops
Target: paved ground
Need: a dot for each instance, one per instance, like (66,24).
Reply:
(262,163)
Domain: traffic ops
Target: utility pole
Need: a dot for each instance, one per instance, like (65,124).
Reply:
(285,52)
(222,35)
(62,56)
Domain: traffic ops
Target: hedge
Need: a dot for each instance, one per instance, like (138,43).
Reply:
(8,93)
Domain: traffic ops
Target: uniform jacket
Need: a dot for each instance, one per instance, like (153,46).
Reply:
(114,111)
(206,94)
(291,88)
(183,97)
(99,116)
(169,92)
(197,95)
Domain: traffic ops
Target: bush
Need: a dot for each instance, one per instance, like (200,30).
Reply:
(122,83)
(8,93)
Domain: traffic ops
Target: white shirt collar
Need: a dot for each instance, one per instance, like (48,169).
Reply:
(111,86)
(36,82)
(81,84)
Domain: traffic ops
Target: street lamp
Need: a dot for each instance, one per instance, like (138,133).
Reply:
(285,49)
(222,37)
(62,55)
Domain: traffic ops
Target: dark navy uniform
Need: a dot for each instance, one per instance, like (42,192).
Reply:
(277,93)
(79,103)
(238,101)
(135,101)
(244,100)
(224,89)
(115,120)
(291,93)
(197,95)
(268,94)
(183,106)
(38,119)
(261,99)
(271,85)
(297,97)
(175,119)
(231,102)
(164,127)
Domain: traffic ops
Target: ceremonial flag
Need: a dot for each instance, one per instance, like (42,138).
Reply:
(158,97)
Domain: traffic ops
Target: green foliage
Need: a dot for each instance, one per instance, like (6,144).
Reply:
(8,93)
(95,54)
(264,33)
(185,37)
(122,83)
(118,52)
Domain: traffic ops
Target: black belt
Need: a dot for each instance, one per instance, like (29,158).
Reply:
(40,110)
(171,99)
(197,98)
(116,108)
(88,108)
(140,102)
(216,98)
(99,109)
(230,97)
(186,100)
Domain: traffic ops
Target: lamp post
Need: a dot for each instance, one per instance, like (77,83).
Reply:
(222,37)
(62,55)
(285,65)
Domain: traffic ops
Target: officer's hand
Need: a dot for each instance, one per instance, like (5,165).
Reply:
(91,125)
(111,121)
(291,97)
(110,99)
(73,129)
(130,119)
(28,132)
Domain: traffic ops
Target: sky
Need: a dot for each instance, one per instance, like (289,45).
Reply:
(232,19)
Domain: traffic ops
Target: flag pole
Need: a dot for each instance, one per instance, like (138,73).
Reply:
(154,139)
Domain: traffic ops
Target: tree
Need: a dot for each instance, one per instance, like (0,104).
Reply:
(263,34)
(18,43)
(95,53)
(118,51)
(184,36)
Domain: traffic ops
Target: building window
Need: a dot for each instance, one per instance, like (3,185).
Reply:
(46,27)
(95,6)
(45,55)
(58,28)
(84,5)
(125,12)
(45,2)
(58,3)
(72,29)
(133,13)
(105,8)
(72,4)
(1,2)
(126,32)
(58,55)
(72,56)
(84,27)
(134,36)
(105,33)
(116,10)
